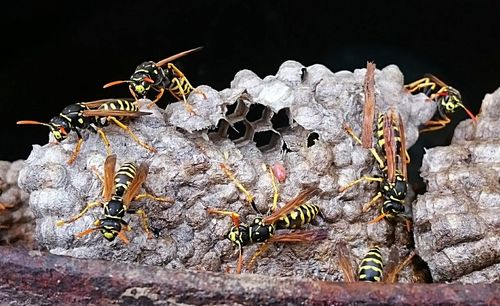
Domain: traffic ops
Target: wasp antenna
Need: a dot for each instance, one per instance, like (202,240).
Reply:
(471,115)
(32,122)
(86,232)
(115,83)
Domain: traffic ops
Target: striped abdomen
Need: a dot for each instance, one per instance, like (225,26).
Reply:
(180,88)
(124,177)
(301,215)
(118,104)
(371,267)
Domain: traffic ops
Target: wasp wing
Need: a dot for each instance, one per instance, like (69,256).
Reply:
(113,113)
(292,204)
(436,80)
(97,103)
(389,146)
(109,175)
(394,266)
(344,262)
(176,56)
(136,184)
(403,154)
(299,236)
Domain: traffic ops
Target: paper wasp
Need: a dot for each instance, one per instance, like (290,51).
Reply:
(448,99)
(119,190)
(392,157)
(263,229)
(93,116)
(150,75)
(371,267)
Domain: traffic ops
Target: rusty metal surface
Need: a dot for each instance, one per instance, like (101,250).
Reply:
(38,278)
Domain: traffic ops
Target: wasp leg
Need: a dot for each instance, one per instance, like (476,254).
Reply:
(83,212)
(275,188)
(374,200)
(78,146)
(188,86)
(235,217)
(158,97)
(144,220)
(132,92)
(367,178)
(392,275)
(250,198)
(263,248)
(435,125)
(421,83)
(126,128)
(178,87)
(240,260)
(377,157)
(152,197)
(105,140)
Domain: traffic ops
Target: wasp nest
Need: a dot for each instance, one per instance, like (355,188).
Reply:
(16,219)
(456,221)
(301,111)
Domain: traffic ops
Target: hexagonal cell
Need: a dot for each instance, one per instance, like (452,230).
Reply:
(240,131)
(255,112)
(281,120)
(266,140)
(236,111)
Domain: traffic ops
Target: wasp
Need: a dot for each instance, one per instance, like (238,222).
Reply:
(263,229)
(392,157)
(93,116)
(371,267)
(448,99)
(150,75)
(119,190)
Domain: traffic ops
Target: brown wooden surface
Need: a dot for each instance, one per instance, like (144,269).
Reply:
(38,278)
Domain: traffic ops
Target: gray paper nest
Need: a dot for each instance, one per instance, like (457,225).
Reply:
(303,113)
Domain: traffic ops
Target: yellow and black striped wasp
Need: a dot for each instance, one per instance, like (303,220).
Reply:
(292,215)
(150,75)
(392,158)
(371,267)
(119,190)
(93,116)
(448,99)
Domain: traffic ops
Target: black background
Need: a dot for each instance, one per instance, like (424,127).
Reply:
(56,54)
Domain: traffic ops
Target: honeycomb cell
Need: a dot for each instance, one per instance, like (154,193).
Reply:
(281,120)
(240,131)
(267,140)
(255,112)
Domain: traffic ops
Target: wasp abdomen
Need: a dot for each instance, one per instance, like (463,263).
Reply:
(124,177)
(301,215)
(371,267)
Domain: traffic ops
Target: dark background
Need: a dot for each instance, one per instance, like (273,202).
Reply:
(56,54)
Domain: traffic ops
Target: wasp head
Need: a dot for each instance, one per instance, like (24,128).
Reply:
(394,210)
(110,228)
(60,128)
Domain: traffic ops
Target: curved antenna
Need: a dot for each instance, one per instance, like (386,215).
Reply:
(115,83)
(176,56)
(471,115)
(33,122)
